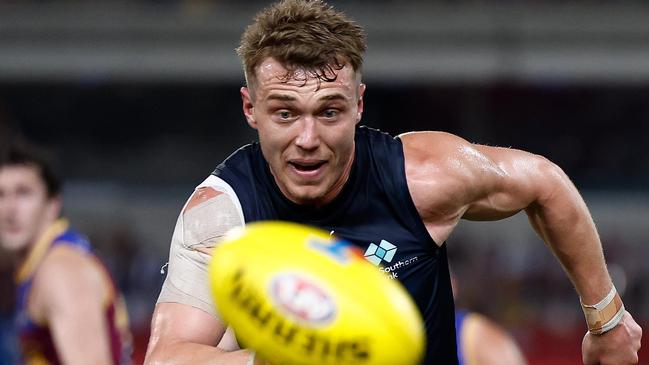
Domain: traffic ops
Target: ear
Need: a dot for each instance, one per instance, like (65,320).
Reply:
(360,105)
(248,107)
(53,208)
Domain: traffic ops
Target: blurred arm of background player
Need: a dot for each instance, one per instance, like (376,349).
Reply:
(481,341)
(450,178)
(69,294)
(484,342)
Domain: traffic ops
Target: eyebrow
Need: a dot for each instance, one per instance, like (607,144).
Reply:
(336,96)
(280,97)
(285,97)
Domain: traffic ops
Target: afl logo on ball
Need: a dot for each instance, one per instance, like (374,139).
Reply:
(302,299)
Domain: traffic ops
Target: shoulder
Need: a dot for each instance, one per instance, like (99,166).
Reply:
(441,149)
(211,210)
(444,164)
(70,263)
(68,273)
(458,155)
(442,170)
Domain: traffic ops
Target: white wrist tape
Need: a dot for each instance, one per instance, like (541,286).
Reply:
(604,315)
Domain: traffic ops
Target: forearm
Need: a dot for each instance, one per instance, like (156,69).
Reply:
(195,354)
(182,334)
(564,222)
(562,219)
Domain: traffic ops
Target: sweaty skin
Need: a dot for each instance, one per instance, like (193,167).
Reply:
(450,178)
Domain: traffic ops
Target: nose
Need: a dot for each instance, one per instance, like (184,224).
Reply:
(308,137)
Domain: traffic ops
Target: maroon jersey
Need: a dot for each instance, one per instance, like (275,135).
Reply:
(35,338)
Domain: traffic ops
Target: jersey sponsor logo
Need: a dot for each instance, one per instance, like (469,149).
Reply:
(384,251)
(302,299)
(391,271)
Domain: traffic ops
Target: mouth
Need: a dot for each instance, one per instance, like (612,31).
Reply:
(10,229)
(307,168)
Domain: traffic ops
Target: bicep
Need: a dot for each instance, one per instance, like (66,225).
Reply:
(449,177)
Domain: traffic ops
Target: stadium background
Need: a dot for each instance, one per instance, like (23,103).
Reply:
(139,101)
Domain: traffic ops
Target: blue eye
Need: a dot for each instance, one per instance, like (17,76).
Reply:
(330,113)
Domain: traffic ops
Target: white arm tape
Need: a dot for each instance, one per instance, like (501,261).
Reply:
(201,225)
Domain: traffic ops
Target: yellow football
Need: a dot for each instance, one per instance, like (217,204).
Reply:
(298,296)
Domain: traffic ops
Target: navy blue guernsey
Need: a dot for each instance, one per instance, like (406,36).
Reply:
(375,212)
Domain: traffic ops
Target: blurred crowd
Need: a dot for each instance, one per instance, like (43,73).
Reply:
(522,287)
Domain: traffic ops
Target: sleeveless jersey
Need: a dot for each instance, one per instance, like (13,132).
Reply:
(37,345)
(374,211)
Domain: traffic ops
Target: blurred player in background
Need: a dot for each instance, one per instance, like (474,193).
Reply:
(68,309)
(398,199)
(481,341)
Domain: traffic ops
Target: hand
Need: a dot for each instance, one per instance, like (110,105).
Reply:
(618,346)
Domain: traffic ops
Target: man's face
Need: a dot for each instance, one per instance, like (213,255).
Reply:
(306,129)
(25,208)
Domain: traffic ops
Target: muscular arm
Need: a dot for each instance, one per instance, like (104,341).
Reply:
(185,328)
(555,209)
(182,334)
(490,183)
(70,292)
(450,179)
